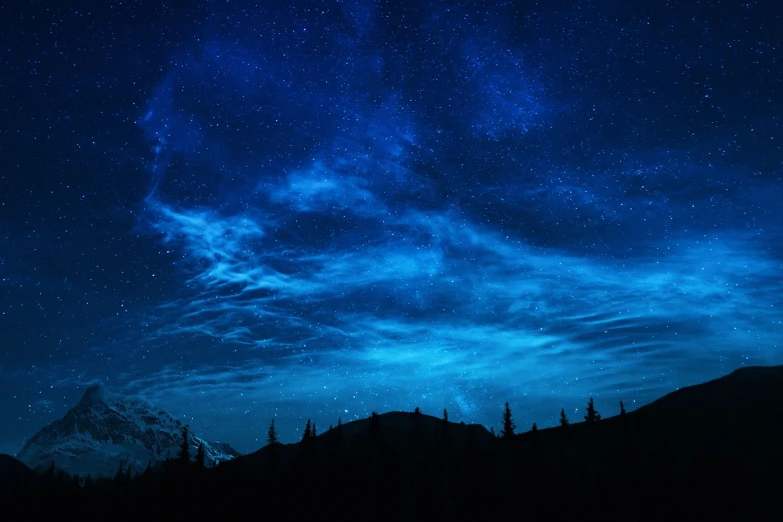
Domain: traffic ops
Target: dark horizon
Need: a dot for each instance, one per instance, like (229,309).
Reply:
(320,210)
(704,452)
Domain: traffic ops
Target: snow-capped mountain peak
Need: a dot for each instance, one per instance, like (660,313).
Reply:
(106,429)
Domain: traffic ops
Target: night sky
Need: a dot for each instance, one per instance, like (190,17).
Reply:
(297,209)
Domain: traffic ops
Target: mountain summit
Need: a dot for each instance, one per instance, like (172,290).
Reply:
(104,430)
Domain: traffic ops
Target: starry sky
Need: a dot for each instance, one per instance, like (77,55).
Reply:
(245,210)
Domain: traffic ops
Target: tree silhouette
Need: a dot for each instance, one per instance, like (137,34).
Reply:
(120,472)
(308,433)
(563,419)
(271,435)
(184,448)
(491,429)
(592,415)
(375,423)
(622,409)
(445,415)
(314,431)
(417,411)
(200,455)
(534,428)
(508,424)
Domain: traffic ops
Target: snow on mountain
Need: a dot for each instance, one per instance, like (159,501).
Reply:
(106,429)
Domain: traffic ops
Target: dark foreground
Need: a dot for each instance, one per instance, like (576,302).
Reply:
(710,452)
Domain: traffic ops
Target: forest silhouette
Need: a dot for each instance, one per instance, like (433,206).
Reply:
(711,451)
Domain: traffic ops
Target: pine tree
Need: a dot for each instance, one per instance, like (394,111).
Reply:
(307,432)
(184,448)
(417,411)
(563,419)
(508,424)
(271,435)
(375,423)
(200,456)
(534,428)
(445,415)
(314,433)
(622,409)
(330,427)
(118,476)
(592,415)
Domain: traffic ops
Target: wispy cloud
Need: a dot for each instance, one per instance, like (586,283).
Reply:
(465,312)
(384,243)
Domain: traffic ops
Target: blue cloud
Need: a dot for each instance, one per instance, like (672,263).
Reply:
(365,215)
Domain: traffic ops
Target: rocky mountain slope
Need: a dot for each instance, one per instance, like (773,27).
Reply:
(105,430)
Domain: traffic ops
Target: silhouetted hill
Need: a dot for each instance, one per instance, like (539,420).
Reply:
(396,430)
(700,446)
(14,471)
(705,452)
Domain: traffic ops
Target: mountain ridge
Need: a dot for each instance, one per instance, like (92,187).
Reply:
(106,430)
(699,453)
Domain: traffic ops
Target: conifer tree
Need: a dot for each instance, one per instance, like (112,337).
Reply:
(622,409)
(508,424)
(314,432)
(563,419)
(592,415)
(445,415)
(200,456)
(120,473)
(330,427)
(184,448)
(271,435)
(307,432)
(534,428)
(417,411)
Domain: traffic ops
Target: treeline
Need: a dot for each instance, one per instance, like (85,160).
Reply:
(414,466)
(508,426)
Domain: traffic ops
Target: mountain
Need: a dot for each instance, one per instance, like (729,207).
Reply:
(747,387)
(403,433)
(13,471)
(706,452)
(106,430)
